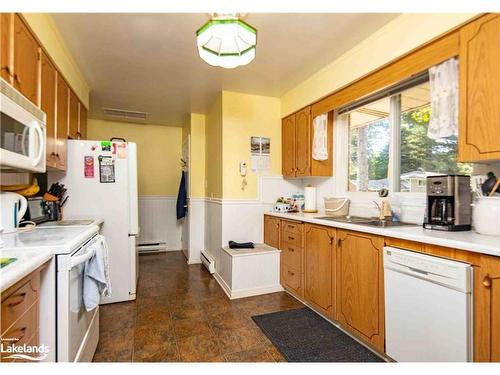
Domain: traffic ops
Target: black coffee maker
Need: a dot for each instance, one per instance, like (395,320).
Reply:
(449,201)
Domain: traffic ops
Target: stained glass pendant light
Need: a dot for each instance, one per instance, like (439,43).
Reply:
(226,41)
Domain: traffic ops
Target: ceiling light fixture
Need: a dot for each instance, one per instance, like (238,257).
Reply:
(226,41)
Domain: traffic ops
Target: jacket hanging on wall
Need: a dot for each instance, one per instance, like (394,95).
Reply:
(182,198)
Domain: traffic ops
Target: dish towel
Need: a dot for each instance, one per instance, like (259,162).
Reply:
(181,206)
(320,140)
(443,79)
(96,279)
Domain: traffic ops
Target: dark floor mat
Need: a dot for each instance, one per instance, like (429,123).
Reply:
(301,335)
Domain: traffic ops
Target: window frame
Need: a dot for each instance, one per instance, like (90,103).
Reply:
(341,130)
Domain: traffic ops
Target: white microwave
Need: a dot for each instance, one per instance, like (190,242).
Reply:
(22,132)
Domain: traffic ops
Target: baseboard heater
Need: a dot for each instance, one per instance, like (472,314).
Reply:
(208,261)
(155,247)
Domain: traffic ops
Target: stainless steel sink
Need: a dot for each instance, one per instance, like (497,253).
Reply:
(373,222)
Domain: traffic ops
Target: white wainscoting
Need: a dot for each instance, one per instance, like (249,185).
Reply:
(196,241)
(158,222)
(213,227)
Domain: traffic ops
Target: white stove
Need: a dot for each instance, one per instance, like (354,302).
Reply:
(61,240)
(71,329)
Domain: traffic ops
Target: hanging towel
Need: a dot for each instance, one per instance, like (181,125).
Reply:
(96,274)
(443,79)
(182,198)
(320,138)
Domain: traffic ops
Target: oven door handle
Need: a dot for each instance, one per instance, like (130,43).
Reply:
(75,261)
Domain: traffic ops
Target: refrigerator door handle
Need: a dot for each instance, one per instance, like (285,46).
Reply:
(134,264)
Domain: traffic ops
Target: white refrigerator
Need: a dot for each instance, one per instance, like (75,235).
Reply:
(101,182)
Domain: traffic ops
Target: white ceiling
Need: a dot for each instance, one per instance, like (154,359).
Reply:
(149,62)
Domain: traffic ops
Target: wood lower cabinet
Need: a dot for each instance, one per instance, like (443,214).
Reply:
(479,111)
(20,313)
(26,61)
(487,310)
(48,105)
(360,286)
(272,231)
(292,256)
(319,268)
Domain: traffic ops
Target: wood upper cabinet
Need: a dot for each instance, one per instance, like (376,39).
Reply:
(48,105)
(360,286)
(82,128)
(297,143)
(288,146)
(319,268)
(303,143)
(272,231)
(62,123)
(479,111)
(26,61)
(74,115)
(6,46)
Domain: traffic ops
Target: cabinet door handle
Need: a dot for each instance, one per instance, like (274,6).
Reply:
(339,242)
(291,226)
(21,296)
(16,77)
(290,249)
(487,281)
(57,156)
(291,273)
(7,69)
(291,238)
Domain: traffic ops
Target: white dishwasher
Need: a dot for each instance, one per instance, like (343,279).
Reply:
(428,308)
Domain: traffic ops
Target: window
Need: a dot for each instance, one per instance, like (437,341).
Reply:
(369,140)
(388,143)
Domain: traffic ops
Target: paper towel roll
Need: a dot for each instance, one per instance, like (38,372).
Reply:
(310,199)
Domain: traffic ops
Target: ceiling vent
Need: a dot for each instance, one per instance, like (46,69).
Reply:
(124,114)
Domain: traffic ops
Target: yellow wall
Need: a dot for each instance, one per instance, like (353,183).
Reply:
(197,162)
(159,149)
(213,149)
(46,31)
(244,116)
(396,38)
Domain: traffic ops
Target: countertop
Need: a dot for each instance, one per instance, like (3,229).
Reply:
(27,262)
(258,249)
(469,240)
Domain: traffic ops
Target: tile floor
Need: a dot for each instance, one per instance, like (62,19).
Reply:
(182,315)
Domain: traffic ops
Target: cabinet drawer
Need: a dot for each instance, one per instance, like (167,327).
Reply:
(292,255)
(294,239)
(23,329)
(292,227)
(291,278)
(19,301)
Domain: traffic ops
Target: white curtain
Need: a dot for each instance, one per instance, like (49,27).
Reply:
(320,138)
(443,80)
